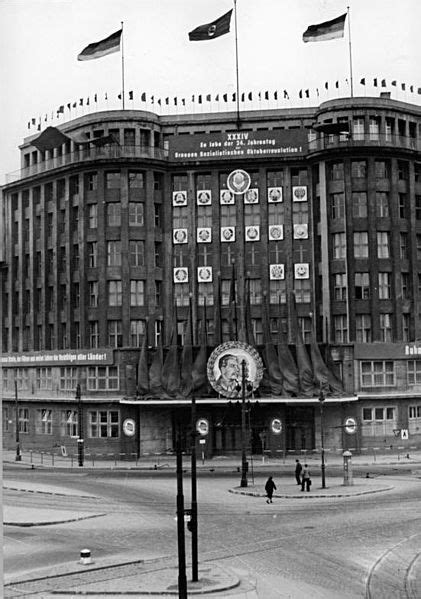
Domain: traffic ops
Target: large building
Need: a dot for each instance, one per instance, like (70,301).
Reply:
(121,224)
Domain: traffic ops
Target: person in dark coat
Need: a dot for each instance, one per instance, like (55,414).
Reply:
(306,479)
(270,487)
(298,470)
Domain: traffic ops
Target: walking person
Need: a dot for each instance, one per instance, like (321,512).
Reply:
(270,487)
(306,479)
(298,470)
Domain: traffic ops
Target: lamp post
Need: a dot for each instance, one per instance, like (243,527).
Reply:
(243,482)
(321,400)
(18,457)
(80,442)
(194,543)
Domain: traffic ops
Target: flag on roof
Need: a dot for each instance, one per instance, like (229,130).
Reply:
(211,30)
(329,30)
(106,46)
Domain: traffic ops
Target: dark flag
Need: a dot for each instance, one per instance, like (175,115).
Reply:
(286,95)
(375,82)
(225,97)
(187,357)
(383,82)
(155,371)
(323,377)
(327,85)
(232,322)
(171,381)
(305,371)
(403,86)
(199,370)
(362,82)
(300,93)
(130,95)
(212,30)
(208,98)
(287,364)
(247,317)
(142,367)
(307,93)
(143,97)
(217,322)
(394,83)
(275,95)
(106,46)
(273,373)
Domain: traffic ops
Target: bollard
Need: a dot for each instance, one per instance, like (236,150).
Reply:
(85,557)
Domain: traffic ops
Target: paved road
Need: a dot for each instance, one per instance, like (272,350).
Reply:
(323,548)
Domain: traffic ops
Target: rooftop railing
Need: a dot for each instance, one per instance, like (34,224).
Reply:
(345,140)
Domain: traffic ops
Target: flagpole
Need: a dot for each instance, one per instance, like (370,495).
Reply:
(350,53)
(122,64)
(236,65)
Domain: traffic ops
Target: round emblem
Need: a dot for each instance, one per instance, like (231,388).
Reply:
(299,193)
(238,181)
(350,425)
(202,426)
(276,426)
(129,427)
(225,369)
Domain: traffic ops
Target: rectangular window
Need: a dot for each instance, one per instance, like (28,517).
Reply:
(340,324)
(205,293)
(136,214)
(68,379)
(363,328)
(339,286)
(337,171)
(93,334)
(104,424)
(418,207)
(113,214)
(91,181)
(44,422)
(114,253)
(102,378)
(255,291)
(92,216)
(115,293)
(137,293)
(302,290)
(358,169)
(69,423)
(93,293)
(137,332)
(381,169)
(386,328)
(112,180)
(404,249)
(337,205)
(406,321)
(115,335)
(23,420)
(414,419)
(136,180)
(358,128)
(377,373)
(384,285)
(44,380)
(403,202)
(374,128)
(137,253)
(361,244)
(339,245)
(405,286)
(362,285)
(413,372)
(383,244)
(359,204)
(92,254)
(378,421)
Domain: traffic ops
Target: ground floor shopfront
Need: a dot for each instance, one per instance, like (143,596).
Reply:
(272,426)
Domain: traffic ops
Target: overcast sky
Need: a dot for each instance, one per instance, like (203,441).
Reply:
(41,39)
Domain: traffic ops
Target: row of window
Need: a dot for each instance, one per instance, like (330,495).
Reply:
(382,373)
(100,423)
(363,289)
(98,378)
(359,203)
(363,328)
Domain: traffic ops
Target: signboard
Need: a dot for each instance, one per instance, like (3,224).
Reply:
(404,433)
(276,426)
(225,369)
(350,425)
(68,357)
(238,181)
(202,426)
(129,427)
(238,145)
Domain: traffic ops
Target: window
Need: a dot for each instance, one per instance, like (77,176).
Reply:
(255,291)
(91,181)
(112,180)
(404,250)
(381,169)
(115,336)
(114,253)
(339,286)
(137,253)
(377,373)
(418,241)
(337,205)
(181,294)
(102,378)
(23,420)
(113,214)
(104,423)
(337,171)
(158,215)
(383,250)
(137,293)
(205,293)
(115,293)
(136,180)
(374,126)
(92,254)
(386,328)
(137,332)
(277,292)
(129,137)
(304,326)
(378,421)
(93,334)
(358,128)
(363,328)
(340,328)
(44,379)
(359,204)
(44,422)
(5,417)
(136,214)
(403,171)
(93,293)
(68,379)
(69,423)
(384,285)
(361,244)
(92,216)
(158,293)
(418,207)
(362,285)
(158,254)
(405,286)
(406,321)
(339,245)
(414,419)
(403,202)
(358,169)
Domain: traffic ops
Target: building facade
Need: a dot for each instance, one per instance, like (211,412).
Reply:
(123,246)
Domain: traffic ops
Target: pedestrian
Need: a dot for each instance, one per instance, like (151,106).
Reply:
(270,487)
(298,470)
(306,479)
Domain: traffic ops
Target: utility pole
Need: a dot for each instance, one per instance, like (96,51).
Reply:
(18,457)
(182,580)
(80,441)
(243,482)
(193,522)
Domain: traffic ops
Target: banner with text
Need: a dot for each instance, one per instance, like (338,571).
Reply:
(75,357)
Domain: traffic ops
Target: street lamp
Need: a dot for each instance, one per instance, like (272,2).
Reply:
(80,442)
(321,400)
(242,387)
(18,457)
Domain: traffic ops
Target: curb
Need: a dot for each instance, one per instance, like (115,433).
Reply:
(48,492)
(52,523)
(311,495)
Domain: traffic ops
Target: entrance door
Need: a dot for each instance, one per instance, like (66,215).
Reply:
(299,428)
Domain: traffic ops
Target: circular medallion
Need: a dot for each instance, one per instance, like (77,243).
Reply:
(350,425)
(225,369)
(129,427)
(276,426)
(202,426)
(238,181)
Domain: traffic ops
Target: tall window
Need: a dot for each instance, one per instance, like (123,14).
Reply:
(69,423)
(363,328)
(337,171)
(68,378)
(361,244)
(377,373)
(339,286)
(386,328)
(362,285)
(403,202)
(93,334)
(403,242)
(359,204)
(137,252)
(337,205)
(44,422)
(23,420)
(358,169)
(383,244)
(136,214)
(114,253)
(413,374)
(340,328)
(381,168)
(255,291)
(93,293)
(137,293)
(92,254)
(378,422)
(406,322)
(115,293)
(374,126)
(102,378)
(92,216)
(405,286)
(115,336)
(339,245)
(384,285)
(358,128)
(113,214)
(136,180)
(112,180)
(137,332)
(44,380)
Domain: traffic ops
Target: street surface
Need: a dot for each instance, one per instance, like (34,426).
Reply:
(318,548)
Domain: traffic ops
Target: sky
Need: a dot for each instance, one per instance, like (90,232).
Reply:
(41,39)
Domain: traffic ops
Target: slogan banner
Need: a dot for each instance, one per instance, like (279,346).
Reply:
(75,357)
(239,145)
